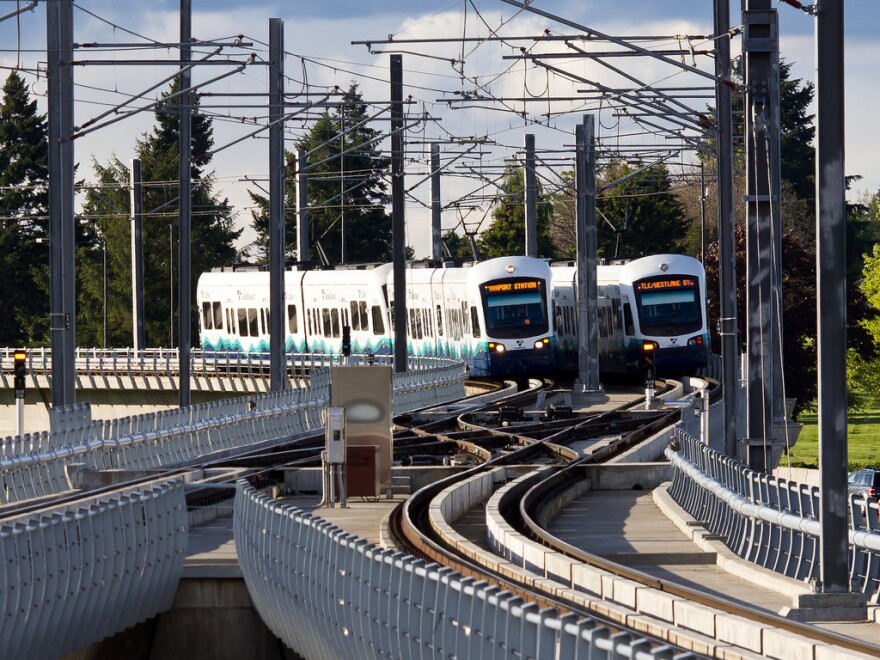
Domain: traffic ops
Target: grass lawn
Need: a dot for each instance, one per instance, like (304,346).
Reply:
(863,441)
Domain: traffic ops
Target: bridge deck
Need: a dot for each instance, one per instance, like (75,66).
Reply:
(627,527)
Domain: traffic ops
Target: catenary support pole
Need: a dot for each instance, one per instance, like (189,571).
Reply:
(531,198)
(398,219)
(302,207)
(62,220)
(726,227)
(184,284)
(137,256)
(436,237)
(277,238)
(831,301)
(761,51)
(585,229)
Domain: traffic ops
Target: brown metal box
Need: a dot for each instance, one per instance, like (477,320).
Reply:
(361,471)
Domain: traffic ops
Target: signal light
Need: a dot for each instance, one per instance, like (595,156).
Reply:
(19,371)
(648,354)
(346,340)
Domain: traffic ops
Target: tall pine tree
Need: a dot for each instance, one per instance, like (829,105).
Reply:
(24,217)
(346,188)
(506,235)
(107,209)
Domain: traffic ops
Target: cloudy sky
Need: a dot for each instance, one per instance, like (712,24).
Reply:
(438,76)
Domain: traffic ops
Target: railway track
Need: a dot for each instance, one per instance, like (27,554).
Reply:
(529,503)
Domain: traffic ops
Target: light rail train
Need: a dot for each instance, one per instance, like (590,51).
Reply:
(494,315)
(659,300)
(503,316)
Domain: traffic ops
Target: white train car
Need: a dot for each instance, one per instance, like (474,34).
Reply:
(234,311)
(659,299)
(495,314)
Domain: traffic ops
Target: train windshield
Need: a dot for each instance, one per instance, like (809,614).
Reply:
(668,305)
(515,307)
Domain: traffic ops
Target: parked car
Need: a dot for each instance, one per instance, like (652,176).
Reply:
(864,482)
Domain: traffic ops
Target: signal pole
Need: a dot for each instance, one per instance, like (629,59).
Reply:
(18,377)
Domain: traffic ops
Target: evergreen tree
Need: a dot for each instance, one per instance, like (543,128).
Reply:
(638,214)
(107,209)
(24,217)
(346,188)
(506,235)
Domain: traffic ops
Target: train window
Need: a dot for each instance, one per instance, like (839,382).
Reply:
(207,318)
(362,309)
(230,319)
(355,318)
(291,319)
(242,322)
(267,328)
(217,309)
(334,320)
(615,315)
(629,328)
(378,325)
(325,318)
(475,322)
(439,321)
(253,322)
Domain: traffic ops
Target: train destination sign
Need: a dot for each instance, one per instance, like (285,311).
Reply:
(503,287)
(680,283)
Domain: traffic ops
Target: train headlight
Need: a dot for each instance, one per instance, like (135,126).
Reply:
(696,341)
(498,348)
(542,343)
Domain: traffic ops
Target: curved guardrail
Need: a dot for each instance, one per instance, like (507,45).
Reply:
(36,464)
(329,594)
(769,521)
(76,575)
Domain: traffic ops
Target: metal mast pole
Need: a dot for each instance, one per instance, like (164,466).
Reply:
(531,198)
(62,221)
(277,247)
(184,285)
(831,302)
(302,207)
(761,48)
(398,220)
(588,290)
(436,238)
(726,226)
(137,256)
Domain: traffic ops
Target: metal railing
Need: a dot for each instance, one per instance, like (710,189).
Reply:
(36,464)
(769,521)
(164,362)
(73,576)
(330,594)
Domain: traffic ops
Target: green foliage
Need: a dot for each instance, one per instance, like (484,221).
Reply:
(346,190)
(107,211)
(24,218)
(506,235)
(798,310)
(459,246)
(638,214)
